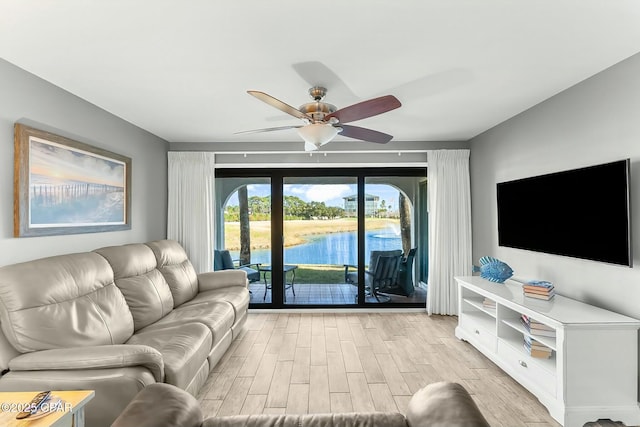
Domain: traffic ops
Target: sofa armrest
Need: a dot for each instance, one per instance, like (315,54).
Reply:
(161,405)
(94,357)
(221,279)
(444,404)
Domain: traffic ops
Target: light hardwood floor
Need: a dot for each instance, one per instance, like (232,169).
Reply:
(334,362)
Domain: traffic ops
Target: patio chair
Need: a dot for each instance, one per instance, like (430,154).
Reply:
(384,275)
(222,261)
(352,276)
(382,272)
(404,284)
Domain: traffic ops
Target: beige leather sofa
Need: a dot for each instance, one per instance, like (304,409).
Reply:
(442,404)
(116,320)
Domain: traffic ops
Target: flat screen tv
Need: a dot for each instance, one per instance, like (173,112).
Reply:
(582,213)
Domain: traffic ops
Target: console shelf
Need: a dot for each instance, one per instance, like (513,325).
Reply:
(593,365)
(478,304)
(549,342)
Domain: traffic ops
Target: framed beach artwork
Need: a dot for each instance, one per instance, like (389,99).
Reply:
(62,186)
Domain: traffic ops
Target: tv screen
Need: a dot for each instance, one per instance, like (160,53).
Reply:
(582,213)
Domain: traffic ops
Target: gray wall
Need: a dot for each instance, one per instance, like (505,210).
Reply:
(28,99)
(593,122)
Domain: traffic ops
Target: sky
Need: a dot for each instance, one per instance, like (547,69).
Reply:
(52,163)
(330,194)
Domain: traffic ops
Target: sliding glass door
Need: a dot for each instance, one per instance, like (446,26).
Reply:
(320,225)
(391,231)
(325,237)
(244,230)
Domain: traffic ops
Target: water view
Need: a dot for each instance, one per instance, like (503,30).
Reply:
(320,221)
(332,248)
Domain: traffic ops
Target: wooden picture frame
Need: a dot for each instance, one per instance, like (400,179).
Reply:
(62,186)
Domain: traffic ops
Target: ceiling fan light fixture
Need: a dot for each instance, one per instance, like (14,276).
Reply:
(309,147)
(317,134)
(323,121)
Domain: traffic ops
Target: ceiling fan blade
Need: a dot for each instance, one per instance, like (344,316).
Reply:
(364,134)
(365,109)
(279,104)
(268,129)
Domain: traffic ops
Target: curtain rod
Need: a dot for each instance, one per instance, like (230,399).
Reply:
(314,153)
(315,165)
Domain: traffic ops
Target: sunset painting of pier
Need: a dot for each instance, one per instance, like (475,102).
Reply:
(71,188)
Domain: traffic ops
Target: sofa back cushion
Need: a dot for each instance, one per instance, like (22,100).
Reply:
(177,270)
(62,301)
(143,286)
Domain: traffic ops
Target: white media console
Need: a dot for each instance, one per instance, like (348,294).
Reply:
(593,370)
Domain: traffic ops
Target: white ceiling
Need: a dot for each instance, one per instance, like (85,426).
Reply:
(180,69)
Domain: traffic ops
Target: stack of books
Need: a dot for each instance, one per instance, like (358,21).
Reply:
(540,329)
(532,346)
(489,303)
(534,327)
(539,289)
(536,349)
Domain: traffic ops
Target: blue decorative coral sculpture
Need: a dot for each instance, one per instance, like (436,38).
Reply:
(493,269)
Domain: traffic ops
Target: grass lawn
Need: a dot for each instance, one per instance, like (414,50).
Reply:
(313,273)
(297,232)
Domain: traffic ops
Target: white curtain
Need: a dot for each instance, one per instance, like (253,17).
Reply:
(449,200)
(190,217)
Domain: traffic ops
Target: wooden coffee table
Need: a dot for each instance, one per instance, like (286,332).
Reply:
(66,411)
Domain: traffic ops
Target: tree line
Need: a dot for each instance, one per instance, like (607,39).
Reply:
(259,208)
(294,208)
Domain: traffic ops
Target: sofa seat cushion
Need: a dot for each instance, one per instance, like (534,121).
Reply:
(218,316)
(371,419)
(184,349)
(236,296)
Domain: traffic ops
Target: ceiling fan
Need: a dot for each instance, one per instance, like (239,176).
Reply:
(323,121)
